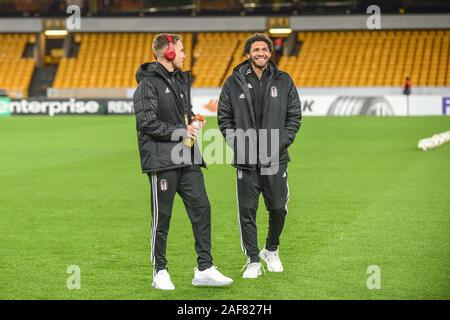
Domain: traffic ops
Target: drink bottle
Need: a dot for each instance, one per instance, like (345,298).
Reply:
(196,123)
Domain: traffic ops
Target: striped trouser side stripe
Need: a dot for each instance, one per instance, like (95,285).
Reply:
(239,219)
(287,198)
(155,215)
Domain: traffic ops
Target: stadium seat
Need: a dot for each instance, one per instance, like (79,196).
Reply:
(16,72)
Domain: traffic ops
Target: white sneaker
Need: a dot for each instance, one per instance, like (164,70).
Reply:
(253,270)
(272,259)
(210,277)
(161,281)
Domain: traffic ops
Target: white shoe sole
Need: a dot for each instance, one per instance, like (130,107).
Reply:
(258,275)
(274,271)
(156,287)
(210,283)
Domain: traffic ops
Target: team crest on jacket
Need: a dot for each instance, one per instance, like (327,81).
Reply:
(274,92)
(164,184)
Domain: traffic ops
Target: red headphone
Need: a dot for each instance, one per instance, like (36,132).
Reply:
(169,52)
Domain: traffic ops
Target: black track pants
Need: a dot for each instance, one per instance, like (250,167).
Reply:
(275,191)
(189,183)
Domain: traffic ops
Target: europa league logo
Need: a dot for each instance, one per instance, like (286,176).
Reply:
(360,106)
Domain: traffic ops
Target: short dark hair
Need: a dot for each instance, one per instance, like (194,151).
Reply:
(160,42)
(257,37)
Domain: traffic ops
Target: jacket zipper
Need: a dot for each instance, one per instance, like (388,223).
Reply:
(169,82)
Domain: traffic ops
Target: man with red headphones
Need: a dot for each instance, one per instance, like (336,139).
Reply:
(164,124)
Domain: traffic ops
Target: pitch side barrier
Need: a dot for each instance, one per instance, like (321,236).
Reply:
(323,105)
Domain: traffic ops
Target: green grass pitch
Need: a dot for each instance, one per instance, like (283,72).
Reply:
(362,194)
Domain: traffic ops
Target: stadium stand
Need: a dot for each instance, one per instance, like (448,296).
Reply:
(16,72)
(357,58)
(108,60)
(216,54)
(370,58)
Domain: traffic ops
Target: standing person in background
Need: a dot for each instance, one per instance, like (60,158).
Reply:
(407,86)
(278,45)
(407,91)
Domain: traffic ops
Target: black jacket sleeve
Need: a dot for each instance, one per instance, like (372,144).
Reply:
(293,114)
(225,114)
(146,110)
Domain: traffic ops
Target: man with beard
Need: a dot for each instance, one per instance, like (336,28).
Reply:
(164,124)
(259,98)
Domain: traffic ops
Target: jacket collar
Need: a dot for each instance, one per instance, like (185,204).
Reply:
(149,69)
(244,68)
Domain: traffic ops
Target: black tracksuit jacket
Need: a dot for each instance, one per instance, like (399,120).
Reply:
(281,110)
(160,105)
